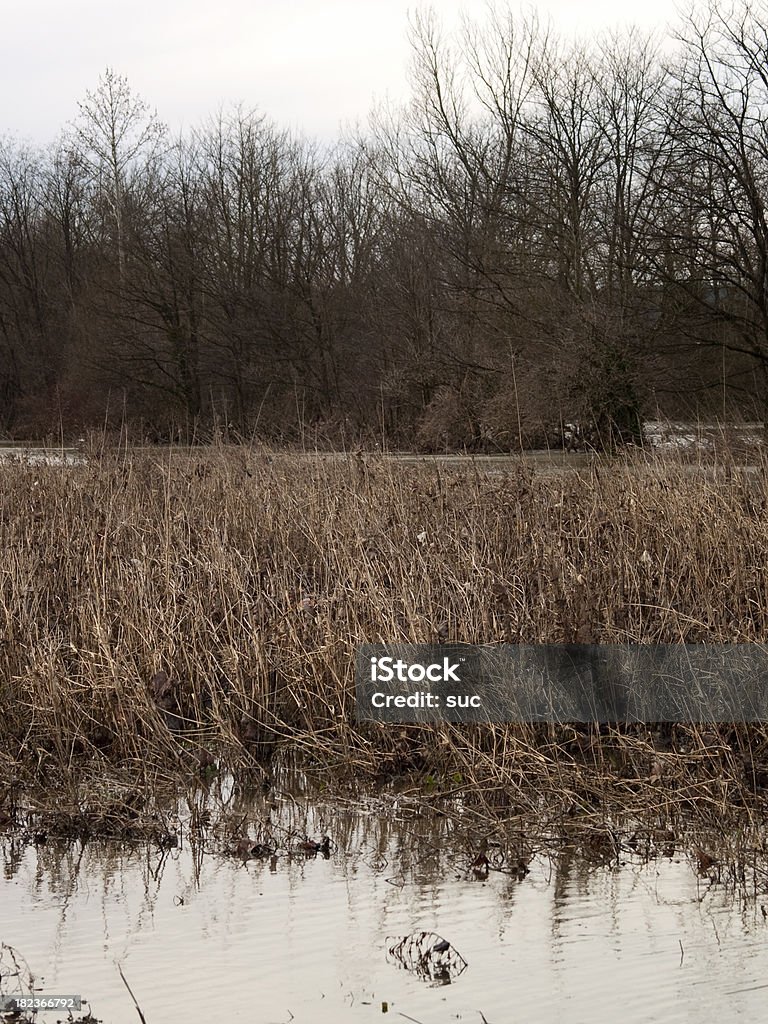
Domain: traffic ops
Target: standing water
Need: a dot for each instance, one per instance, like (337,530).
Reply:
(201,934)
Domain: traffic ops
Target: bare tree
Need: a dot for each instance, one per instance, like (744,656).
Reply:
(117,131)
(27,355)
(720,180)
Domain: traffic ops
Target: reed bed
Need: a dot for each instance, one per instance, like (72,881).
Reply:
(167,615)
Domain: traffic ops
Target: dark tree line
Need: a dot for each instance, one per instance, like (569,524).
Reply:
(547,233)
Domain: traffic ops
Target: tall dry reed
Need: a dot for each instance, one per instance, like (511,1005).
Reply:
(161,611)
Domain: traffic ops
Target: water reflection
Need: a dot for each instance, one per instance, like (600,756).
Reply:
(200,932)
(36,456)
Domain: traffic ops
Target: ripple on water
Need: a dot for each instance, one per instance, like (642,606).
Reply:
(643,943)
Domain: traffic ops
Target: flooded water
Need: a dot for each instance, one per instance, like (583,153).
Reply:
(546,462)
(201,935)
(39,456)
(659,438)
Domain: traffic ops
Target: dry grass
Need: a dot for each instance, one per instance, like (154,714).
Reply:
(164,615)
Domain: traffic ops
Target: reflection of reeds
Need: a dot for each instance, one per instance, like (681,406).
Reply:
(167,616)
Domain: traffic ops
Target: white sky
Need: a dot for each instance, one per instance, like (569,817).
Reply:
(308,64)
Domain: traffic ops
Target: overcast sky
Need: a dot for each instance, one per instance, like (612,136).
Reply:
(308,64)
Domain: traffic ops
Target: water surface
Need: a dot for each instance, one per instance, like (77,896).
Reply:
(201,935)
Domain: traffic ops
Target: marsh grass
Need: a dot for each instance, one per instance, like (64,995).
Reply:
(167,616)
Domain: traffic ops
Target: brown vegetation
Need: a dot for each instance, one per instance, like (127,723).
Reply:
(167,616)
